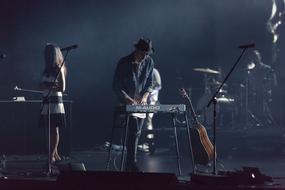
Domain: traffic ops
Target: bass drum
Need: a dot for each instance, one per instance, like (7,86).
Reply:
(225,111)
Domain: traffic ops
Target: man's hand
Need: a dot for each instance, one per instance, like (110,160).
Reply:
(144,98)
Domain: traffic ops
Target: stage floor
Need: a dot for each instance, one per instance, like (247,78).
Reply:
(32,167)
(263,149)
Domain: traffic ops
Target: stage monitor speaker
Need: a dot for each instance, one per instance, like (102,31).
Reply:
(71,167)
(246,176)
(115,180)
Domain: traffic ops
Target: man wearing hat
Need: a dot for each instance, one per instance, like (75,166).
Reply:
(132,84)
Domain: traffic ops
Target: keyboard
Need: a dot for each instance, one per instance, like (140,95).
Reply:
(159,108)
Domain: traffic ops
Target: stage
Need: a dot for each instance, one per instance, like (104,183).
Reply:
(233,49)
(159,171)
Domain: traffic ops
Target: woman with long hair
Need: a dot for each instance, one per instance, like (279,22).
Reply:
(53,86)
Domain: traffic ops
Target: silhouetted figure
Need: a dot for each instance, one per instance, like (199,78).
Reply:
(53,61)
(261,81)
(132,84)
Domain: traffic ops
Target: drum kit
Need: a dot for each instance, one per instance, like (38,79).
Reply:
(225,102)
(244,104)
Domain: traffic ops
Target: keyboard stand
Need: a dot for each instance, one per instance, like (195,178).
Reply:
(174,117)
(126,126)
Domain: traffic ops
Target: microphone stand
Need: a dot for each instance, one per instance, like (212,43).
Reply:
(214,101)
(49,170)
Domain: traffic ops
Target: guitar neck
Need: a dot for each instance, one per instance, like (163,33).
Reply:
(192,109)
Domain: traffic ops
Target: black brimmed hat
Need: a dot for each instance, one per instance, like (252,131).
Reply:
(144,45)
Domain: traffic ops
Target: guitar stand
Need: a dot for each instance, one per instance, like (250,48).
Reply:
(125,138)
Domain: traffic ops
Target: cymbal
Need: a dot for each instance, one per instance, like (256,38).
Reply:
(206,70)
(224,99)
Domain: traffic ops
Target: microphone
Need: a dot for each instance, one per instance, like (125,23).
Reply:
(3,55)
(69,48)
(247,46)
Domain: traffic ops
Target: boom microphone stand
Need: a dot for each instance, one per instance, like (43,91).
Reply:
(49,170)
(214,101)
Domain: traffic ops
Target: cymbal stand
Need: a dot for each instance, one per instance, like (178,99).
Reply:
(248,113)
(207,89)
(246,98)
(214,101)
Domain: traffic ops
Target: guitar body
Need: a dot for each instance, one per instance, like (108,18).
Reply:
(203,150)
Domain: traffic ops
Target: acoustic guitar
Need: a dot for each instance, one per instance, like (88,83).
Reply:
(202,148)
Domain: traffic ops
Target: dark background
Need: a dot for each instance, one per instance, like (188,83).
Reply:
(186,34)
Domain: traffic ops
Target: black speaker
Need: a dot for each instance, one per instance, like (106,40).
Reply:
(71,167)
(246,176)
(115,180)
